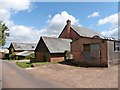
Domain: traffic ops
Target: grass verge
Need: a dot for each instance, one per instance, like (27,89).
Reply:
(28,64)
(24,64)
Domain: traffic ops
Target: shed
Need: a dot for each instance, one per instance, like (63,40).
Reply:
(51,49)
(21,49)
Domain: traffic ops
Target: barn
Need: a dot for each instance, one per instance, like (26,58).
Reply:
(90,48)
(50,49)
(21,50)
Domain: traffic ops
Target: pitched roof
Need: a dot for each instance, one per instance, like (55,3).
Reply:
(23,46)
(85,31)
(57,45)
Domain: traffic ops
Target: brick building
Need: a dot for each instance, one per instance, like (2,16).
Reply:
(21,50)
(88,47)
(51,49)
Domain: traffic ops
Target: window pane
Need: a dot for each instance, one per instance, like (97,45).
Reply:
(86,47)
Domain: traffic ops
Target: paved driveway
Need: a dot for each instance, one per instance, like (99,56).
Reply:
(16,77)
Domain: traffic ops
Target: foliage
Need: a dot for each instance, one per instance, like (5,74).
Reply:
(3,33)
(30,56)
(12,55)
(67,54)
(24,64)
(28,64)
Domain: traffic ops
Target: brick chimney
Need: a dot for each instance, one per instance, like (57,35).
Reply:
(68,25)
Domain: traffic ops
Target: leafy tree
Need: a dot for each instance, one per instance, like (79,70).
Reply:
(3,33)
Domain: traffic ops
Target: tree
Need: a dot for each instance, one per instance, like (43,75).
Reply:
(3,33)
(12,55)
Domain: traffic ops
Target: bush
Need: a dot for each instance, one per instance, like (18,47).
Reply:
(30,56)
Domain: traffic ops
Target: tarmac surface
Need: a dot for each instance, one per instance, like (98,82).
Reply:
(16,77)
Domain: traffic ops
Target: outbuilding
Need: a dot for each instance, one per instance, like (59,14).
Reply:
(21,50)
(90,48)
(50,49)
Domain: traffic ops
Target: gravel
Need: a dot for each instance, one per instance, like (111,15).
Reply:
(79,77)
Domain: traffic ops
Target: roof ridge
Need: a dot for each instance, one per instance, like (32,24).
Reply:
(55,38)
(22,43)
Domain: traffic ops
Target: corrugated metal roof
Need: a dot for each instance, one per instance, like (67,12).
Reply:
(85,31)
(24,53)
(57,45)
(24,46)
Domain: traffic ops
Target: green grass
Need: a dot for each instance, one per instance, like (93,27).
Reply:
(37,64)
(23,64)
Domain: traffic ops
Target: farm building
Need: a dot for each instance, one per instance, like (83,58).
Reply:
(21,50)
(95,51)
(90,47)
(75,32)
(51,49)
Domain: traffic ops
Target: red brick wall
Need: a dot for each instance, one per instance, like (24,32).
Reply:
(49,57)
(42,56)
(71,35)
(57,57)
(65,33)
(77,49)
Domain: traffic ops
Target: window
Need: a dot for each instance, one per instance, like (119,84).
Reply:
(117,46)
(86,47)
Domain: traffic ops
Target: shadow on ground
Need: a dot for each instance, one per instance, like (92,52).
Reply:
(76,64)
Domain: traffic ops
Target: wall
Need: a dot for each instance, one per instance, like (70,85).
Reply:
(41,47)
(73,35)
(42,56)
(113,56)
(57,57)
(78,54)
(41,52)
(69,35)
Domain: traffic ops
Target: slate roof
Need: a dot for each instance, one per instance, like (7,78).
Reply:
(57,45)
(85,31)
(24,46)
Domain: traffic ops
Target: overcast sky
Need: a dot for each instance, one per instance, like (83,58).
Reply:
(28,21)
